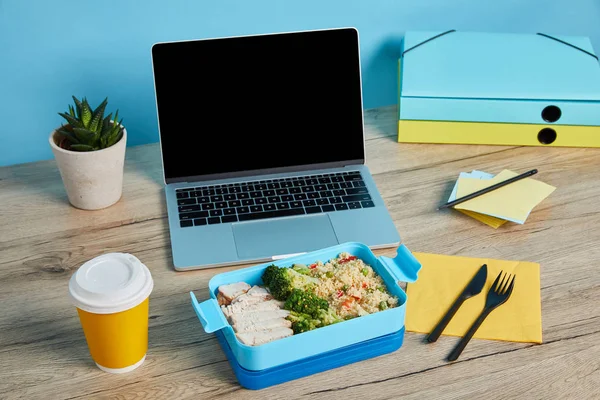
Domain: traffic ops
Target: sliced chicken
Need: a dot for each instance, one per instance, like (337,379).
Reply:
(257,316)
(247,300)
(229,292)
(262,337)
(253,313)
(255,294)
(221,299)
(243,307)
(256,326)
(258,291)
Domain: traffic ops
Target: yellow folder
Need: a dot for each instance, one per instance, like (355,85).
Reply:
(421,131)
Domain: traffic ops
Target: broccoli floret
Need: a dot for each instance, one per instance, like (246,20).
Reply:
(277,281)
(269,273)
(305,302)
(301,269)
(300,281)
(281,281)
(328,317)
(308,311)
(302,322)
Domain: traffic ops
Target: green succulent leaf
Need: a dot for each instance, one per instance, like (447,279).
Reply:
(116,127)
(88,129)
(86,113)
(115,119)
(101,107)
(82,147)
(113,138)
(95,125)
(78,105)
(106,123)
(98,115)
(74,122)
(84,135)
(109,140)
(68,135)
(67,128)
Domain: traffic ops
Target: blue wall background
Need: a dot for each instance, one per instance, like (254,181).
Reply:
(50,50)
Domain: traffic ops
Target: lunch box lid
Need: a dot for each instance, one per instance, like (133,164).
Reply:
(485,65)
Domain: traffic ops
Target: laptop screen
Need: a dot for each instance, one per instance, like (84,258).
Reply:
(268,103)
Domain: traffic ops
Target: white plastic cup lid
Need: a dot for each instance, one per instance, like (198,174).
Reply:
(110,283)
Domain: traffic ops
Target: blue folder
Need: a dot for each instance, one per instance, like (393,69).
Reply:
(499,77)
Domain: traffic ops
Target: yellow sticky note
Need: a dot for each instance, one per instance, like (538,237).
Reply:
(442,279)
(486,219)
(512,202)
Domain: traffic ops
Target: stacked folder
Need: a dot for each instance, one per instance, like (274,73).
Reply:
(498,88)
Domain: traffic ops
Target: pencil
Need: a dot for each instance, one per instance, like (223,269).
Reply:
(489,189)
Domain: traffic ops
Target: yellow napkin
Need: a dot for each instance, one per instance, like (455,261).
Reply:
(443,278)
(512,202)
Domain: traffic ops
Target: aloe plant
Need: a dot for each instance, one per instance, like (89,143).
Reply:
(87,129)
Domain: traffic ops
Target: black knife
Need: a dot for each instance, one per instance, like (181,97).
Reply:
(473,288)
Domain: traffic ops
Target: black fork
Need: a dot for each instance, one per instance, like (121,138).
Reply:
(498,294)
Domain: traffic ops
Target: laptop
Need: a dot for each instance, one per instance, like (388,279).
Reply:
(262,145)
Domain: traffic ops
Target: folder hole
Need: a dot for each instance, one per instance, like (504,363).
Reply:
(551,114)
(547,136)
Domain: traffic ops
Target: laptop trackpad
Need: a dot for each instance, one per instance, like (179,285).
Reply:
(276,237)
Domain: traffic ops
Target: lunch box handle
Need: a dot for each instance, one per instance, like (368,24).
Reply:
(404,267)
(209,313)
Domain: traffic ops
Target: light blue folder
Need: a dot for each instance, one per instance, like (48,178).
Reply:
(499,77)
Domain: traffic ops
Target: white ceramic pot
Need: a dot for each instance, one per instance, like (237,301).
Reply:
(92,179)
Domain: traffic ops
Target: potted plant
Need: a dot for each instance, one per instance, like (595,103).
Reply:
(90,153)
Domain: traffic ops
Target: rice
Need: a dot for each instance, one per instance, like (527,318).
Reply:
(351,287)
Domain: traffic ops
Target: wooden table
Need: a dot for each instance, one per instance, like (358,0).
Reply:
(43,239)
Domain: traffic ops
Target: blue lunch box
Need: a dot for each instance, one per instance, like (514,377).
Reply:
(257,380)
(403,267)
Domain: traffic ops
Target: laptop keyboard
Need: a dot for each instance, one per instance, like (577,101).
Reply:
(248,201)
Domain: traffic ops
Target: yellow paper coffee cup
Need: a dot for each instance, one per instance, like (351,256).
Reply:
(111,295)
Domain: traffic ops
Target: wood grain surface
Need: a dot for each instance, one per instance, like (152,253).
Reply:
(43,240)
